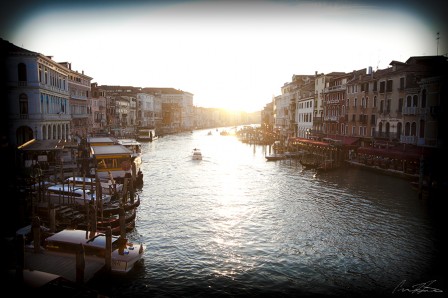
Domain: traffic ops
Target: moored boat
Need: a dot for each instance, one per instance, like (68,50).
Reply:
(275,156)
(67,194)
(124,254)
(109,188)
(146,135)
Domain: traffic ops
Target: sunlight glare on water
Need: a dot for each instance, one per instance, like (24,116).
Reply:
(236,224)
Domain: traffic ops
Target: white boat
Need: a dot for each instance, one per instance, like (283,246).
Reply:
(146,135)
(108,188)
(136,149)
(69,194)
(197,154)
(124,254)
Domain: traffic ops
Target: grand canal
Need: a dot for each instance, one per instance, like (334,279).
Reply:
(235,224)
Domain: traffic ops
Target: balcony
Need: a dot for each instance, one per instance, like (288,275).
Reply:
(385,135)
(410,110)
(331,118)
(408,139)
(335,88)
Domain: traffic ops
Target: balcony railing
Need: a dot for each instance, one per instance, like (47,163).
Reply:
(408,139)
(385,135)
(410,110)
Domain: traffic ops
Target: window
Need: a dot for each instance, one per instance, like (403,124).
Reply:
(401,83)
(413,129)
(400,105)
(389,85)
(424,98)
(422,129)
(408,101)
(382,86)
(374,101)
(23,104)
(22,77)
(415,101)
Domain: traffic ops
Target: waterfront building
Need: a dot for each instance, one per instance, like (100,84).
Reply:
(361,106)
(321,81)
(177,106)
(98,116)
(149,111)
(37,96)
(305,106)
(335,105)
(80,101)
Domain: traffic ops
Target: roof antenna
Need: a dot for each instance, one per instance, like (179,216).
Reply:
(438,37)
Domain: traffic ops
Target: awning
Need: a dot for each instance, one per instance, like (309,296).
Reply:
(302,141)
(42,145)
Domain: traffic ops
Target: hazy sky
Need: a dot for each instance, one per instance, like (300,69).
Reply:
(229,54)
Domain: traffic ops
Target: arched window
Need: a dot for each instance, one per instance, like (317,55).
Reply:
(413,129)
(407,129)
(380,128)
(424,98)
(408,101)
(399,128)
(363,102)
(415,101)
(22,72)
(374,101)
(387,128)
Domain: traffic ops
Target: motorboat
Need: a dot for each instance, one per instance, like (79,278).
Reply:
(197,154)
(136,149)
(69,194)
(109,188)
(275,156)
(146,135)
(124,254)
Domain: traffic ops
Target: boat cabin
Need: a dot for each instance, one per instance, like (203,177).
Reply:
(112,159)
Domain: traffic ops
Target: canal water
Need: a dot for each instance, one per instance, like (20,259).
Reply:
(234,224)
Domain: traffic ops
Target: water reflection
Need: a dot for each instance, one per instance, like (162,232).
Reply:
(234,224)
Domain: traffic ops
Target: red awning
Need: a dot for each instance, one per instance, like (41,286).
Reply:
(302,141)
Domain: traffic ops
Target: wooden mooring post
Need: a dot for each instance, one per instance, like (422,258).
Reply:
(80,264)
